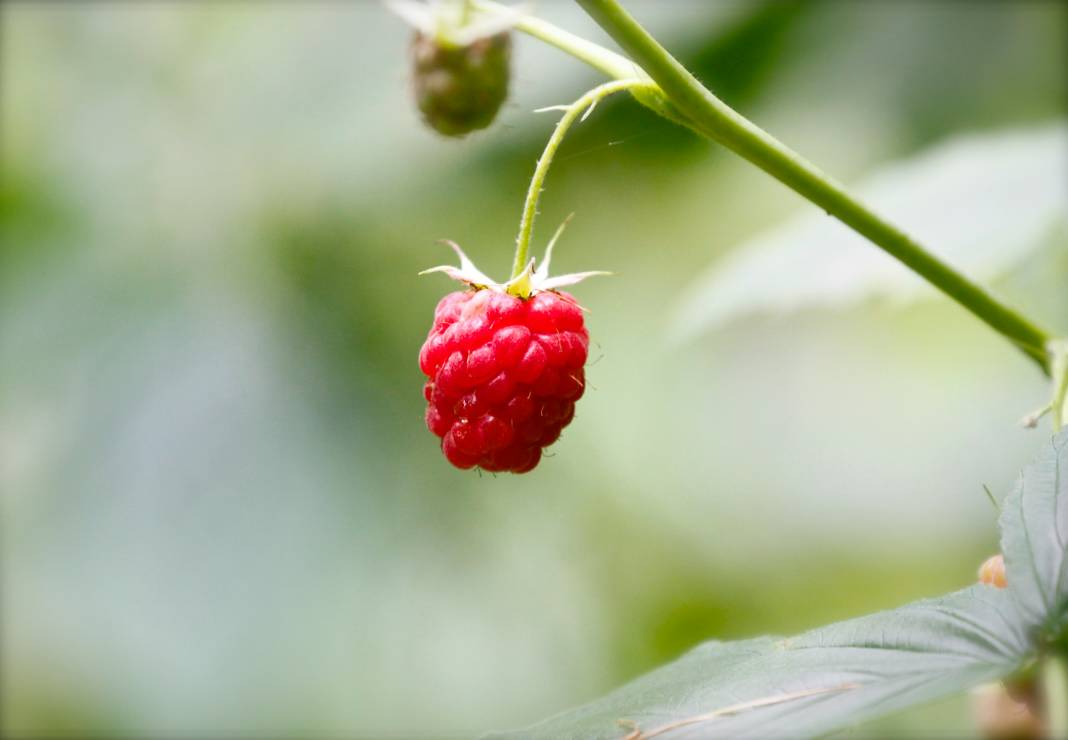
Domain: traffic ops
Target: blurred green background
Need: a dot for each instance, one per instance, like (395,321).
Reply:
(221,511)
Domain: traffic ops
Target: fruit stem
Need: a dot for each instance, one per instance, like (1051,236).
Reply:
(699,109)
(571,112)
(604,60)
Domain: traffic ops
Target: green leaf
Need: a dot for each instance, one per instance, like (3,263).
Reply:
(836,676)
(819,682)
(981,202)
(1034,535)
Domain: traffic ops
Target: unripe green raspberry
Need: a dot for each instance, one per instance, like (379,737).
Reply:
(460,88)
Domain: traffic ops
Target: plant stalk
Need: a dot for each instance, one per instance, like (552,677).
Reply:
(608,62)
(571,113)
(604,60)
(706,113)
(1055,695)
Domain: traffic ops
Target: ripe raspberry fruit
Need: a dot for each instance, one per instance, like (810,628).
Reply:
(504,375)
(504,366)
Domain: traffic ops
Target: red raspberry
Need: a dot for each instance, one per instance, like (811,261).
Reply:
(504,375)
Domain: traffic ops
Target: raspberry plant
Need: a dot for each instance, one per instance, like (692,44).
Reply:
(505,361)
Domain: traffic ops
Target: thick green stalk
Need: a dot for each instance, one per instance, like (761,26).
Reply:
(716,120)
(1055,689)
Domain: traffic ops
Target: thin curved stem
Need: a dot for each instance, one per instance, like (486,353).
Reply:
(712,117)
(604,60)
(571,113)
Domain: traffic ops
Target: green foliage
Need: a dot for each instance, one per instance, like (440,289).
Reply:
(1034,525)
(836,676)
(817,682)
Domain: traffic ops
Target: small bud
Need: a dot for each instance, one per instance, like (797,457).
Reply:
(992,572)
(460,88)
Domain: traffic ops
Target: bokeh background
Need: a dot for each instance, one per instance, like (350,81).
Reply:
(222,513)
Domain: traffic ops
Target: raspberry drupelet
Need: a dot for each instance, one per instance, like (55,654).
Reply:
(504,375)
